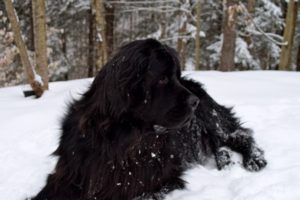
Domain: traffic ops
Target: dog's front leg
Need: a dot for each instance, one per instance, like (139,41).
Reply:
(225,130)
(242,142)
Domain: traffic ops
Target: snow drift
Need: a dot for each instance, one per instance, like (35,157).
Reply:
(267,102)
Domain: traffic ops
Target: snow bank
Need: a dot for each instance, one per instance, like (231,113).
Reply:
(268,102)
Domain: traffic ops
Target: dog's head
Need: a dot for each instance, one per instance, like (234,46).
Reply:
(143,80)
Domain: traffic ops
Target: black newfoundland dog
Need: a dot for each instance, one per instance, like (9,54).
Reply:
(138,127)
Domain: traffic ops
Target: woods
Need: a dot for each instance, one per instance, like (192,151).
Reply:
(40,39)
(230,12)
(62,40)
(32,77)
(289,32)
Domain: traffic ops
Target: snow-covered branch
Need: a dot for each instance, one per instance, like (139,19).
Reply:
(141,2)
(259,31)
(177,37)
(160,9)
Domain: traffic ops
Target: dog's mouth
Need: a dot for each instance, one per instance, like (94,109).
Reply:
(187,122)
(163,129)
(159,128)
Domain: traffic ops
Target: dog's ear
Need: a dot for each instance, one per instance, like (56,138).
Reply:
(103,103)
(110,92)
(173,53)
(108,97)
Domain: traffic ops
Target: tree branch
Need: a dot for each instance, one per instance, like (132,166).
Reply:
(259,31)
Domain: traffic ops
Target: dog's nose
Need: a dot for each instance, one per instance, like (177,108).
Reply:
(193,101)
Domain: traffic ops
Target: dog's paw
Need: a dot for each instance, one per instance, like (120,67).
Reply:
(155,196)
(255,161)
(255,164)
(223,158)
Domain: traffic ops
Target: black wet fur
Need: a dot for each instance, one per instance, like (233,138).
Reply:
(109,149)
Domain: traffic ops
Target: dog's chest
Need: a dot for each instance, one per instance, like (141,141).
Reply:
(148,165)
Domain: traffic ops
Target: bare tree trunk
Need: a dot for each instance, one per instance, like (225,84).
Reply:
(298,59)
(64,42)
(91,49)
(197,36)
(163,26)
(131,27)
(251,7)
(30,38)
(181,42)
(289,31)
(249,40)
(162,23)
(99,10)
(40,40)
(110,18)
(29,70)
(229,35)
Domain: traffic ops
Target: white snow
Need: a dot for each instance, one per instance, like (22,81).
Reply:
(268,102)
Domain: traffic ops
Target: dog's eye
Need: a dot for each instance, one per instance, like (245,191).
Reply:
(163,81)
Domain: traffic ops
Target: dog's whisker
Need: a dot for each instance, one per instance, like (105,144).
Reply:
(159,128)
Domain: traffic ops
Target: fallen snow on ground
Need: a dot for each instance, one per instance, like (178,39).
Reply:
(268,102)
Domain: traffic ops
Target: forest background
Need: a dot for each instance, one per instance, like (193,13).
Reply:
(52,40)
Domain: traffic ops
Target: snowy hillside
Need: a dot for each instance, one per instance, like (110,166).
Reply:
(268,102)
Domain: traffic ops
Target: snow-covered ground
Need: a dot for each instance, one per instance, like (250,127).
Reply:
(268,102)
